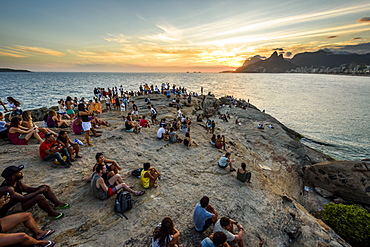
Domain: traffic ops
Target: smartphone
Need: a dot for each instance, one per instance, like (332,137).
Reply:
(6,196)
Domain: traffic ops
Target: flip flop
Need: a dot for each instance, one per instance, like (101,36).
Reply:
(64,207)
(141,193)
(78,156)
(50,244)
(55,218)
(47,234)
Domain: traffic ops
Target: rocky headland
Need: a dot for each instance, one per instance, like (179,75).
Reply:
(290,181)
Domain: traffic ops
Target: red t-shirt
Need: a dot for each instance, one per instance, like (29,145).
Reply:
(143,123)
(45,146)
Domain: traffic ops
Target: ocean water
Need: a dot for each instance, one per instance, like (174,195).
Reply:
(331,111)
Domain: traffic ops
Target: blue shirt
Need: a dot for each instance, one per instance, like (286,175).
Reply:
(200,216)
(207,242)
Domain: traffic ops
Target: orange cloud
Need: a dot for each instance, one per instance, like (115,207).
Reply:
(364,19)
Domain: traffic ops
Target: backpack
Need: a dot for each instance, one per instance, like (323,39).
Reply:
(137,172)
(123,203)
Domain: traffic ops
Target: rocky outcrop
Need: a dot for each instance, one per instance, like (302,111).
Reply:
(210,105)
(274,64)
(349,180)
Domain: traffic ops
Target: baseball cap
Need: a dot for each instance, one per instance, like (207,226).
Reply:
(11,170)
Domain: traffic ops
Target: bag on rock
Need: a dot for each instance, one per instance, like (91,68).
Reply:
(123,203)
(137,172)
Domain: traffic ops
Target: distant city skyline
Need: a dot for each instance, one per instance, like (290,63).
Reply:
(173,36)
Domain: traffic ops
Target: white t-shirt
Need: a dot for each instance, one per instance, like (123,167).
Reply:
(218,228)
(160,132)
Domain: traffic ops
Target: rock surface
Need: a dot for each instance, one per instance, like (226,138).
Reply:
(270,207)
(348,179)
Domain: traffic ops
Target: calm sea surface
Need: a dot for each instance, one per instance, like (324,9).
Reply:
(332,111)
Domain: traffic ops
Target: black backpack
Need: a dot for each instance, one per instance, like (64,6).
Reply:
(123,203)
(137,172)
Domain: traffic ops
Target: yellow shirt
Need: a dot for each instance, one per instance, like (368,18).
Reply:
(144,181)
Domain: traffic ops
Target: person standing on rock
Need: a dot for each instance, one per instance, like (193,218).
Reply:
(226,226)
(225,161)
(204,215)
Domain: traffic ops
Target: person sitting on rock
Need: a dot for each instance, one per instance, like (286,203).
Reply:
(112,169)
(188,141)
(220,142)
(217,239)
(51,150)
(204,215)
(165,234)
(173,137)
(242,174)
(162,133)
(144,123)
(226,226)
(225,161)
(35,195)
(11,221)
(72,147)
(104,189)
(131,125)
(19,135)
(149,176)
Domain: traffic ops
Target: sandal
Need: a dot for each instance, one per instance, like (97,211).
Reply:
(65,206)
(50,244)
(55,218)
(90,145)
(47,234)
(73,159)
(78,156)
(141,193)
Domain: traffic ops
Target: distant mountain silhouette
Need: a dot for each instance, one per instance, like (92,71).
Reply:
(274,64)
(328,59)
(13,70)
(277,64)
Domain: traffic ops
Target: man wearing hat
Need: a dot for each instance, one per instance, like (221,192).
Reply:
(35,195)
(49,150)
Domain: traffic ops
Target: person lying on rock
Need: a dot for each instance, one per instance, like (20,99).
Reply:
(149,176)
(35,195)
(104,189)
(226,226)
(204,215)
(242,174)
(217,239)
(225,161)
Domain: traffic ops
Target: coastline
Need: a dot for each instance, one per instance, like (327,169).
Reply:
(274,156)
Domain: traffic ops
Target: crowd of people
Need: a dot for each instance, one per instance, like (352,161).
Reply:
(56,145)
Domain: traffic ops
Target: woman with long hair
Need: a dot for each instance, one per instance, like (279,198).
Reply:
(27,122)
(19,135)
(14,105)
(54,121)
(243,175)
(165,234)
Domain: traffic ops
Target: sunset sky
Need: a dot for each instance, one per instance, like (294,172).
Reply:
(173,35)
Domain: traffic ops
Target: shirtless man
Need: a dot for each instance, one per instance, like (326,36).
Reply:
(35,195)
(104,189)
